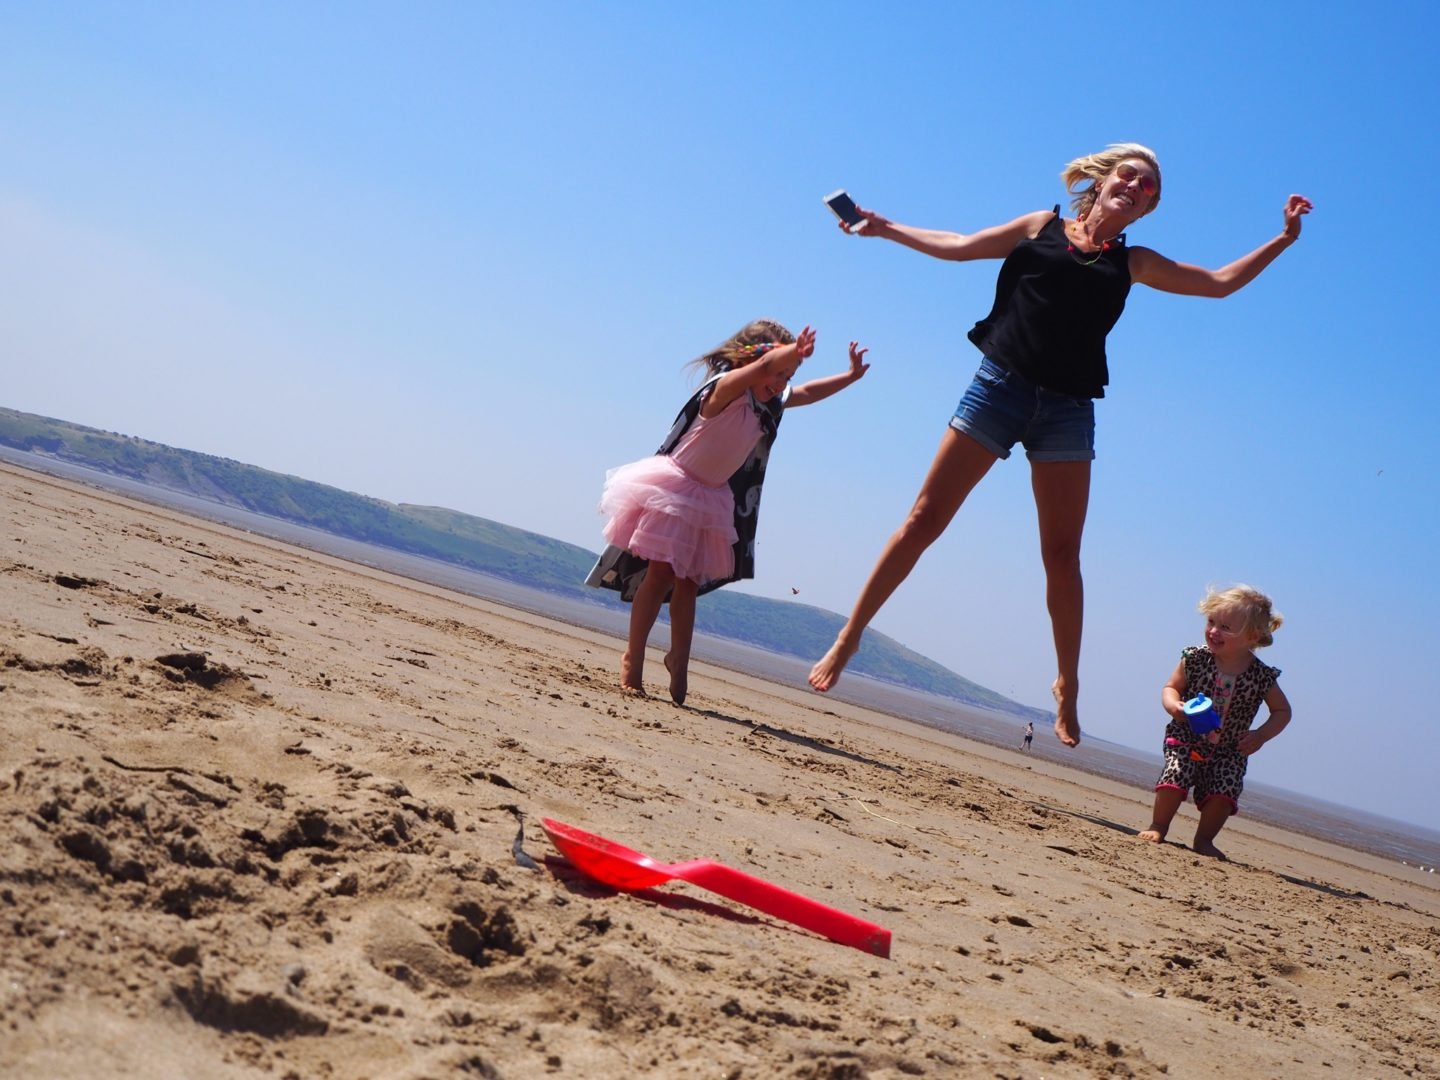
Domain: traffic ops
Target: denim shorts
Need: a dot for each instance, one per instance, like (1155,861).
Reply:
(1001,408)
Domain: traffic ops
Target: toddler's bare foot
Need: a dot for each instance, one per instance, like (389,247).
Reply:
(1067,720)
(1207,847)
(826,673)
(679,680)
(1154,835)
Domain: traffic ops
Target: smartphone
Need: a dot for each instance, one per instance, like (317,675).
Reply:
(843,207)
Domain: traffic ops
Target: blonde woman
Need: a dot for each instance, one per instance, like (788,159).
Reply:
(1061,288)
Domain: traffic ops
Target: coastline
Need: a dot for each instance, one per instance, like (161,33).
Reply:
(1401,842)
(264,806)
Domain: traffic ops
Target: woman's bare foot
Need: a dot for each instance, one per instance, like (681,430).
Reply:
(826,673)
(1207,847)
(1154,835)
(679,680)
(1067,720)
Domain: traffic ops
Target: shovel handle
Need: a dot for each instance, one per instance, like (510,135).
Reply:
(765,896)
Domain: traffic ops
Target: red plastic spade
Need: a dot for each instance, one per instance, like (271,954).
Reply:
(619,867)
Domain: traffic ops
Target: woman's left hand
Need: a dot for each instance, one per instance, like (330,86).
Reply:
(1296,207)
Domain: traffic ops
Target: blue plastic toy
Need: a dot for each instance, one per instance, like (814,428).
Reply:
(1202,714)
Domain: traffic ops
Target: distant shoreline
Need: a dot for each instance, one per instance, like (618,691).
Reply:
(1355,829)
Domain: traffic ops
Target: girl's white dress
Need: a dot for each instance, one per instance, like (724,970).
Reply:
(678,508)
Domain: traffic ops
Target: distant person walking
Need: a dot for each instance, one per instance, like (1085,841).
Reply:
(1061,287)
(1029,736)
(682,522)
(1226,670)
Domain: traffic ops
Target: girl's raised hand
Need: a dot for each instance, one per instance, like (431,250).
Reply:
(769,373)
(858,366)
(805,343)
(1296,207)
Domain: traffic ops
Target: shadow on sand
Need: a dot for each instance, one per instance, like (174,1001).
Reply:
(795,740)
(1328,890)
(1128,830)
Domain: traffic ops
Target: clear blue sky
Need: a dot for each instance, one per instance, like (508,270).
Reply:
(456,254)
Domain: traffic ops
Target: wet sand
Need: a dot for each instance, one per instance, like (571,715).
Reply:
(260,809)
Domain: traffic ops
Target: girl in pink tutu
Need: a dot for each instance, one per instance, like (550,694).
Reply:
(682,522)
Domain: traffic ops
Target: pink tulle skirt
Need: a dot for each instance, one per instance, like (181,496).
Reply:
(659,513)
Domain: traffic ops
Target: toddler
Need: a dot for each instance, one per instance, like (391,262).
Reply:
(1225,669)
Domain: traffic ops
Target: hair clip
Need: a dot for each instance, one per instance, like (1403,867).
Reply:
(756,351)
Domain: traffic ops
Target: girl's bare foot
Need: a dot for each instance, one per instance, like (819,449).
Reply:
(1067,720)
(1207,847)
(679,680)
(631,677)
(826,673)
(1154,835)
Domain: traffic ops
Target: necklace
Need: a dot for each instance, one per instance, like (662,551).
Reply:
(1070,247)
(1093,259)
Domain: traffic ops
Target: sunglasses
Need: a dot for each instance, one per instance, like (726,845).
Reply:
(1148,184)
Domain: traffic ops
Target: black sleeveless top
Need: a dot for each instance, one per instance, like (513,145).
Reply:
(1053,308)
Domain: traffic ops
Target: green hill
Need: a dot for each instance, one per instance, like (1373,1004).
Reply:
(475,543)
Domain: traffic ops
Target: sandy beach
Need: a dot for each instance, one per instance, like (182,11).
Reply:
(260,810)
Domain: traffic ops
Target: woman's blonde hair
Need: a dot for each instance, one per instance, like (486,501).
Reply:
(743,346)
(1096,167)
(1257,615)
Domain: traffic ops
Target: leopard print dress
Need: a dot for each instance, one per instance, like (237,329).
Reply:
(1222,770)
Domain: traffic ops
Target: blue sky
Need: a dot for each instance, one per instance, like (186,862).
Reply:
(457,254)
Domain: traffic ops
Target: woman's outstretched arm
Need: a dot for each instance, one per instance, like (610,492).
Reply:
(1149,267)
(993,243)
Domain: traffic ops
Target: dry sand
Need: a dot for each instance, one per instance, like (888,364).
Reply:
(258,809)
